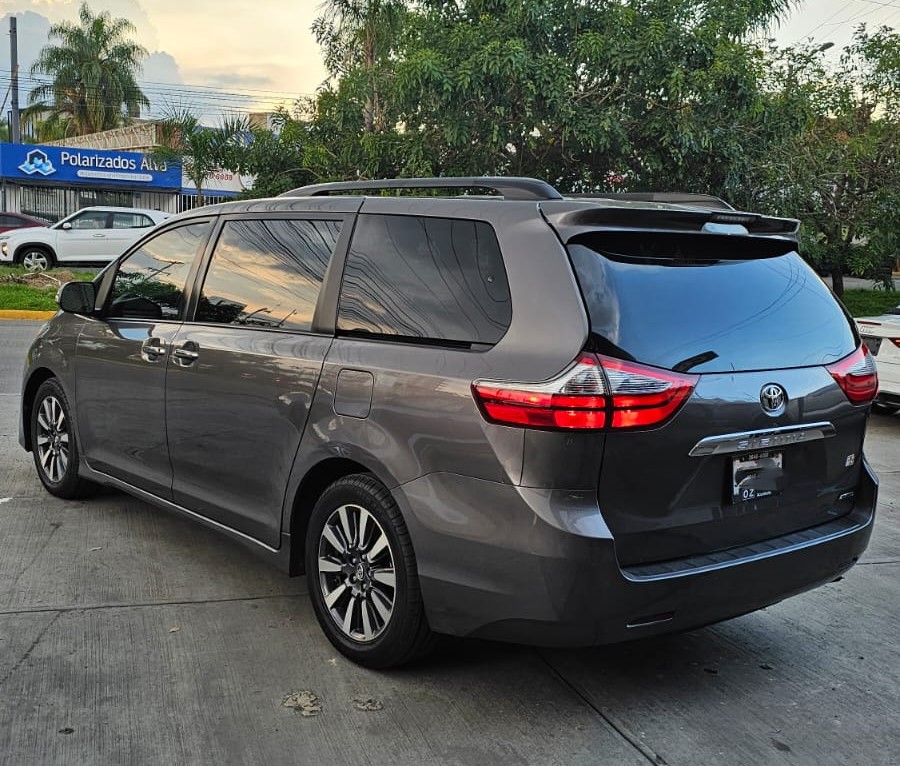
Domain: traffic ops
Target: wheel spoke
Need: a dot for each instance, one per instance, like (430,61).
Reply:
(346,526)
(332,538)
(385,576)
(382,605)
(327,565)
(380,544)
(63,461)
(368,635)
(42,421)
(64,438)
(348,616)
(44,457)
(332,598)
(363,524)
(42,440)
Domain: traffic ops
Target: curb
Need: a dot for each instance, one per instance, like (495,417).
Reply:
(17,314)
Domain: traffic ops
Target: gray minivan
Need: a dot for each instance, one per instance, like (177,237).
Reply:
(515,416)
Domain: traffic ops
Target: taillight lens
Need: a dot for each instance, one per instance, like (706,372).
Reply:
(596,392)
(895,341)
(856,375)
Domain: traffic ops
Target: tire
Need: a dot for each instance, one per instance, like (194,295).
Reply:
(35,258)
(53,443)
(885,409)
(365,588)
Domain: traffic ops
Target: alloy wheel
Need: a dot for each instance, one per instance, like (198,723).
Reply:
(356,573)
(52,439)
(36,260)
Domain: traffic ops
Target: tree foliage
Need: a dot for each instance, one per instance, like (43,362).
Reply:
(93,68)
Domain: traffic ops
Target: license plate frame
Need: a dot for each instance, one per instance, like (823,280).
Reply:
(755,476)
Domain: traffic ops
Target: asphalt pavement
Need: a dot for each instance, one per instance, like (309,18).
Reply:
(129,636)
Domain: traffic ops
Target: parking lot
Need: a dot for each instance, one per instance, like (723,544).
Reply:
(130,636)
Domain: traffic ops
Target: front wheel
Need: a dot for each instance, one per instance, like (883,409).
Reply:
(36,259)
(361,574)
(53,443)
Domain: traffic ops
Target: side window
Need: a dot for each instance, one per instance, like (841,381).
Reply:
(267,273)
(130,221)
(93,219)
(149,283)
(429,278)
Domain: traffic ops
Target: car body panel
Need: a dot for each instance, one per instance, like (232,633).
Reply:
(885,351)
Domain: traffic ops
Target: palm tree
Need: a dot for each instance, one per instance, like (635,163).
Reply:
(93,71)
(200,149)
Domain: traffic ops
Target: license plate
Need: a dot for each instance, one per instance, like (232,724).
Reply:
(872,342)
(756,476)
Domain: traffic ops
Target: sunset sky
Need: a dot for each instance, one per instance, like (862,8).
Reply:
(220,54)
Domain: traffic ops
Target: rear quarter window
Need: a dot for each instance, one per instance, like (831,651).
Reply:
(706,304)
(425,279)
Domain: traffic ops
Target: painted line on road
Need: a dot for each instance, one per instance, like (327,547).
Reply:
(17,314)
(142,604)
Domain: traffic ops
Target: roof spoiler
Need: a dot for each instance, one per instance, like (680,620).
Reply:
(668,198)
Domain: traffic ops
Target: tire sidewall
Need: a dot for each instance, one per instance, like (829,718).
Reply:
(48,254)
(362,490)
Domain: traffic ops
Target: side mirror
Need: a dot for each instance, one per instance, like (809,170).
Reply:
(66,226)
(77,297)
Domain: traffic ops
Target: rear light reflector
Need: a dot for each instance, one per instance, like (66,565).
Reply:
(856,375)
(596,392)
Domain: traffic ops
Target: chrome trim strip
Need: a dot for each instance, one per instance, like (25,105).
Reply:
(768,438)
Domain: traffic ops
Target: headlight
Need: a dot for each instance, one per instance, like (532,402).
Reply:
(5,248)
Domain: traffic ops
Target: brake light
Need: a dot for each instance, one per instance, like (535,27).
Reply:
(895,341)
(596,392)
(856,375)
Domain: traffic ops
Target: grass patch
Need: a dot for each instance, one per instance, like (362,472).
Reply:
(866,303)
(23,291)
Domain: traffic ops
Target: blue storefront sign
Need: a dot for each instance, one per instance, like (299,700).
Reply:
(96,167)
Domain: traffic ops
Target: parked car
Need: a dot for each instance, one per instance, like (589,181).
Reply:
(92,235)
(12,221)
(881,334)
(527,418)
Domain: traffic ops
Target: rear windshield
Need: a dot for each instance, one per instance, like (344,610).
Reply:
(706,313)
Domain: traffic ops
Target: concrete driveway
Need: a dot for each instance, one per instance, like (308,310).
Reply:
(128,636)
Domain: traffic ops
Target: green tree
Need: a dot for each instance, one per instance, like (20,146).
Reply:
(93,67)
(200,149)
(840,174)
(357,37)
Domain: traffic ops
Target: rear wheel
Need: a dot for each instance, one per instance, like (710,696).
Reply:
(362,578)
(36,258)
(53,443)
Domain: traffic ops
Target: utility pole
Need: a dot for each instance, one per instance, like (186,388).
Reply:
(15,132)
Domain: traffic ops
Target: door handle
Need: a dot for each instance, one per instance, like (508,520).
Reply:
(152,349)
(102,236)
(186,353)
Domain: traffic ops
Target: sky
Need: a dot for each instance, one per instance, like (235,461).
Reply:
(215,56)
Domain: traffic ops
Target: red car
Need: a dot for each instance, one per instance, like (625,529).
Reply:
(10,221)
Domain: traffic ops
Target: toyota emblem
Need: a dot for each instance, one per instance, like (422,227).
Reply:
(772,398)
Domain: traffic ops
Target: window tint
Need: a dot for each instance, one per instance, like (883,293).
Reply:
(131,221)
(709,314)
(92,220)
(10,220)
(149,283)
(267,273)
(430,278)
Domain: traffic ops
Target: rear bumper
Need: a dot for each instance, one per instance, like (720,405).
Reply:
(539,566)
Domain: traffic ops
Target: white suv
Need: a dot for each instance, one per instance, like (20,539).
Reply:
(92,235)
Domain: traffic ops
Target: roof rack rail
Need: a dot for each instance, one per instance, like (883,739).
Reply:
(669,198)
(511,188)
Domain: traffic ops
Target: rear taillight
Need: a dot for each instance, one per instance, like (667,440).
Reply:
(596,392)
(856,375)
(895,341)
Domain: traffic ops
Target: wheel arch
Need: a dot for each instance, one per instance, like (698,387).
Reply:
(37,377)
(316,480)
(49,249)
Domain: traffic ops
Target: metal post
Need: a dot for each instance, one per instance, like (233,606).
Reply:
(15,132)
